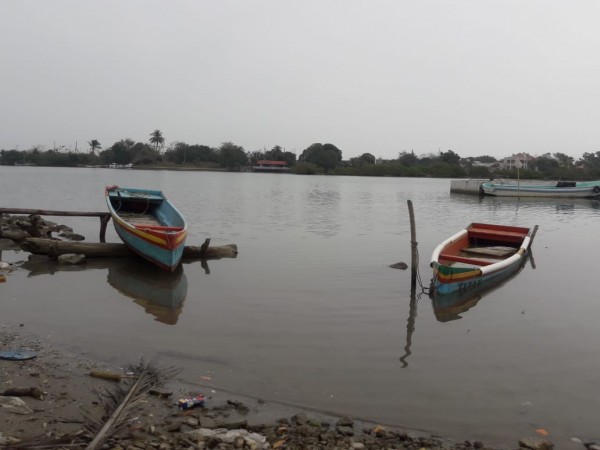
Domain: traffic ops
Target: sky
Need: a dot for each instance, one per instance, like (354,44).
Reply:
(478,77)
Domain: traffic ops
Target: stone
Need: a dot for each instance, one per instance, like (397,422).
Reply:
(231,425)
(345,422)
(71,258)
(15,405)
(192,422)
(176,426)
(344,430)
(300,419)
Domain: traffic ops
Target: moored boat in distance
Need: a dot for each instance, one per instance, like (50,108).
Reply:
(560,189)
(148,224)
(478,255)
(271,166)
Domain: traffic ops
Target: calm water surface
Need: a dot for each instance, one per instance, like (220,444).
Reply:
(309,312)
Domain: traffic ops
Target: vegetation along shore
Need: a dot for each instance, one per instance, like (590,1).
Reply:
(317,158)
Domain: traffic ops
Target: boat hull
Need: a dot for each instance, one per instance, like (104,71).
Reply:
(164,257)
(148,224)
(475,282)
(450,306)
(588,189)
(478,256)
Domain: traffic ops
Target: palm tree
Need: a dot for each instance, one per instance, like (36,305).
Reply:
(94,145)
(157,138)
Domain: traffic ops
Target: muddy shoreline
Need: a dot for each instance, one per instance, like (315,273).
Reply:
(70,394)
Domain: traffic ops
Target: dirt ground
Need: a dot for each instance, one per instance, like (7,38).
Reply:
(64,397)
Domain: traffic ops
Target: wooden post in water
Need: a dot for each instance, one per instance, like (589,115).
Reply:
(410,324)
(413,248)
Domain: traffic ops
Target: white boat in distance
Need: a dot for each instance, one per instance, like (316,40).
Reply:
(561,189)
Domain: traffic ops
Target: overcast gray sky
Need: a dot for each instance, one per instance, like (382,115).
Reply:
(379,76)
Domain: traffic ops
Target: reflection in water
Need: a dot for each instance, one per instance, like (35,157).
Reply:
(410,327)
(560,205)
(160,293)
(447,307)
(322,211)
(43,265)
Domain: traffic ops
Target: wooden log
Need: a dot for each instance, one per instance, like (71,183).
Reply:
(47,212)
(223,251)
(41,246)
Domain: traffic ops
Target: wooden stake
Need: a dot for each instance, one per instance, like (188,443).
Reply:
(413,247)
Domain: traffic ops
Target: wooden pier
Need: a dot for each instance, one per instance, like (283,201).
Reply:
(45,246)
(104,216)
(467,186)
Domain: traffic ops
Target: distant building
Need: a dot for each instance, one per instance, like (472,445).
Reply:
(520,160)
(271,166)
(492,166)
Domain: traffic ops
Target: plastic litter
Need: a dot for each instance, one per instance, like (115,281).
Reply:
(187,403)
(17,355)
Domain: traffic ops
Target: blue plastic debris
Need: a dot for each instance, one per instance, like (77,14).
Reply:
(17,355)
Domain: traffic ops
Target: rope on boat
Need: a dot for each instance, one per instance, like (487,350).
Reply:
(147,205)
(424,290)
(120,202)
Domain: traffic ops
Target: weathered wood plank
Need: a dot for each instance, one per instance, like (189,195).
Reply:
(104,216)
(46,212)
(497,250)
(41,246)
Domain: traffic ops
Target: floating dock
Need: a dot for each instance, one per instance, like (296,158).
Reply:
(470,186)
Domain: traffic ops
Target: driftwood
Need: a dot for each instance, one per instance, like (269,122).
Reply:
(51,247)
(24,392)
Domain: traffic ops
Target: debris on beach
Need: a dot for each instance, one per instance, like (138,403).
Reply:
(17,355)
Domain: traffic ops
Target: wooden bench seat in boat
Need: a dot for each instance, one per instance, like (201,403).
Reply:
(466,260)
(495,251)
(136,197)
(496,235)
(139,219)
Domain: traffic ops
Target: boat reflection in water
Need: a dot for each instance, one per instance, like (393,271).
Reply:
(447,307)
(160,293)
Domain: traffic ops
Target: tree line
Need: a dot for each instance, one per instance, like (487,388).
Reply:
(317,158)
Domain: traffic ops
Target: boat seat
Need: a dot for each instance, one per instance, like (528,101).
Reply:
(496,235)
(141,226)
(135,197)
(463,259)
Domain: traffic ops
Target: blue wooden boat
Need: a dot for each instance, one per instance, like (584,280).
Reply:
(479,255)
(148,224)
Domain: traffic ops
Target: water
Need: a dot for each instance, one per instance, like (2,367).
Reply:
(309,312)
